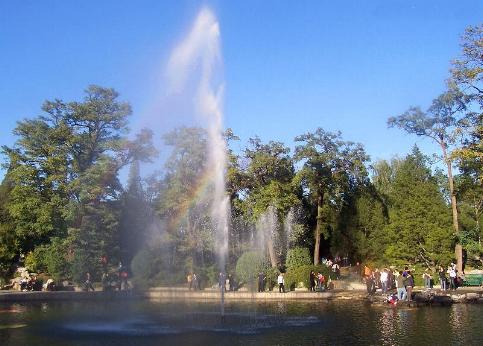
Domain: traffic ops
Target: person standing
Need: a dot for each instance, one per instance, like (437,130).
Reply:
(189,280)
(281,283)
(312,281)
(409,285)
(221,280)
(88,284)
(370,284)
(320,282)
(377,278)
(384,280)
(442,278)
(336,270)
(427,279)
(452,278)
(261,282)
(401,290)
(227,283)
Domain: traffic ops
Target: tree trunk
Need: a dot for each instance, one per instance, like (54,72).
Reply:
(318,228)
(458,247)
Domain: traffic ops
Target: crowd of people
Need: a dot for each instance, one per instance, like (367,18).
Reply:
(403,280)
(111,281)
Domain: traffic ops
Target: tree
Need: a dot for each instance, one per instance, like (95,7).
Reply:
(330,166)
(268,180)
(467,71)
(8,244)
(135,216)
(470,197)
(441,124)
(467,74)
(419,228)
(360,224)
(64,172)
(185,202)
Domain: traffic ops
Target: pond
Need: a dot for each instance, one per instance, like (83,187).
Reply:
(245,323)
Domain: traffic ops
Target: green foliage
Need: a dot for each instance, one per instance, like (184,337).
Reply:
(150,267)
(8,244)
(420,224)
(249,265)
(331,169)
(63,172)
(470,239)
(135,216)
(144,266)
(271,275)
(62,203)
(297,257)
(186,211)
(51,259)
(295,275)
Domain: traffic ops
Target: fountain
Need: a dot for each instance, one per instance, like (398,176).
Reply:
(202,47)
(267,226)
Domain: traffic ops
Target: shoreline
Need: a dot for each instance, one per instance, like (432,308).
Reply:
(420,297)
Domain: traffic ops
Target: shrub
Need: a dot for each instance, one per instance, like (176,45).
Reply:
(295,275)
(50,258)
(145,268)
(297,257)
(271,275)
(249,265)
(34,261)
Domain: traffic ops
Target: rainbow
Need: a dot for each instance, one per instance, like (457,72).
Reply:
(201,187)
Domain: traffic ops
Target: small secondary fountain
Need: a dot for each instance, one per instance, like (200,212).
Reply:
(201,48)
(267,226)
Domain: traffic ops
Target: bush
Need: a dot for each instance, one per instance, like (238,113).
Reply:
(295,275)
(50,258)
(297,257)
(145,268)
(150,267)
(34,261)
(82,263)
(271,275)
(249,265)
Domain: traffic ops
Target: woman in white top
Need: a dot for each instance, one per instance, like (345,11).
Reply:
(384,279)
(281,283)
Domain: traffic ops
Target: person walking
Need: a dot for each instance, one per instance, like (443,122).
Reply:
(281,283)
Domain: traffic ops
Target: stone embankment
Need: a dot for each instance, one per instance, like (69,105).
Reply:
(208,294)
(420,297)
(437,297)
(16,296)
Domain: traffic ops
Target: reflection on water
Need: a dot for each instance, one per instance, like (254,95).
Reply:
(387,327)
(263,323)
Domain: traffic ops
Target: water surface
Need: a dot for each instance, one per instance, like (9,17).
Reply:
(248,323)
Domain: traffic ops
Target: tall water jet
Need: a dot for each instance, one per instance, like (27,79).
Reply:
(201,49)
(267,226)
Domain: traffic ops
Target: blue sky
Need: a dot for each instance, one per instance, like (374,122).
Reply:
(289,66)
